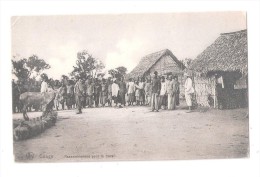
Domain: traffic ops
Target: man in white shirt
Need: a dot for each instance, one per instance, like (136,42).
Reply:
(44,84)
(163,94)
(189,90)
(131,91)
(115,90)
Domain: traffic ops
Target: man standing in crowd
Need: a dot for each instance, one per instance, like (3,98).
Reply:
(189,90)
(131,91)
(89,92)
(103,93)
(109,90)
(62,95)
(44,84)
(177,96)
(156,87)
(147,90)
(140,87)
(122,90)
(16,94)
(163,96)
(115,91)
(70,94)
(97,92)
(171,90)
(79,93)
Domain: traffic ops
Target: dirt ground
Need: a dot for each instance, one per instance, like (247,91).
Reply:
(136,133)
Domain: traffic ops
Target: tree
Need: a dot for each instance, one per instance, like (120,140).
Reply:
(186,62)
(19,69)
(118,72)
(24,69)
(86,65)
(36,65)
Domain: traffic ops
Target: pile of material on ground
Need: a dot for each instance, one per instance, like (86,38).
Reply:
(23,129)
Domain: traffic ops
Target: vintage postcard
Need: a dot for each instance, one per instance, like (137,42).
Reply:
(128,87)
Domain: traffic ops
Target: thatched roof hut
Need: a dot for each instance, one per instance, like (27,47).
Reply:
(227,54)
(221,72)
(162,61)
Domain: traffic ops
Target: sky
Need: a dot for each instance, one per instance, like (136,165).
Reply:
(118,40)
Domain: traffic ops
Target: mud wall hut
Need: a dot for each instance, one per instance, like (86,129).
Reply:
(164,62)
(220,72)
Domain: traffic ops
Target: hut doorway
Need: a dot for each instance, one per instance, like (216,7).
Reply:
(230,90)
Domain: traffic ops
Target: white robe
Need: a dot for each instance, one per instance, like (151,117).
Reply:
(189,90)
(44,87)
(115,89)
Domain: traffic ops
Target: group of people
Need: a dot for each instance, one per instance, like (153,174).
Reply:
(158,92)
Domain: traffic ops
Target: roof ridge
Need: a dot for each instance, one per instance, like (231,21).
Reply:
(234,32)
(164,50)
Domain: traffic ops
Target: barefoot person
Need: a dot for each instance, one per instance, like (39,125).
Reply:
(131,91)
(163,96)
(44,84)
(189,90)
(115,92)
(79,93)
(156,87)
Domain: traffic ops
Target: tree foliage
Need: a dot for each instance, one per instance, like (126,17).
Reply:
(87,65)
(118,72)
(24,69)
(186,62)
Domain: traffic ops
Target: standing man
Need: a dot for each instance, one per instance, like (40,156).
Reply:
(44,84)
(115,92)
(131,91)
(109,90)
(189,90)
(156,87)
(70,94)
(79,94)
(97,92)
(62,95)
(171,91)
(163,96)
(147,90)
(177,97)
(122,90)
(103,93)
(89,92)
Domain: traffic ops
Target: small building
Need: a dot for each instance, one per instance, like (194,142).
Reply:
(221,72)
(164,62)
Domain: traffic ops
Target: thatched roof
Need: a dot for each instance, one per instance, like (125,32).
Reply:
(227,53)
(149,60)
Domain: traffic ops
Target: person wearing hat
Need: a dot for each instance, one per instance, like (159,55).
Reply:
(189,90)
(156,87)
(44,84)
(79,93)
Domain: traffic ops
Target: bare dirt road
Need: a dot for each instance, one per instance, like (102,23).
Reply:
(135,133)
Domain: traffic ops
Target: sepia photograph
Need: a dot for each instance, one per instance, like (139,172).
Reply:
(161,86)
(130,87)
